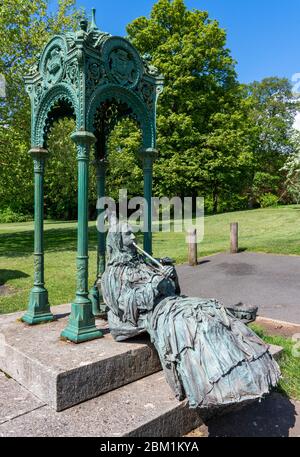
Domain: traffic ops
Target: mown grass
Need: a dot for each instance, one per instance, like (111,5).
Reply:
(289,362)
(272,230)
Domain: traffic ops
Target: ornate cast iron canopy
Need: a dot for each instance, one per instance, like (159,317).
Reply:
(97,79)
(78,72)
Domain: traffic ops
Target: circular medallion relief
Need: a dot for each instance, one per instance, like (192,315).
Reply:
(122,62)
(52,61)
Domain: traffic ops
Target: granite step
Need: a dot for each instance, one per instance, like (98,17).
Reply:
(62,374)
(144,408)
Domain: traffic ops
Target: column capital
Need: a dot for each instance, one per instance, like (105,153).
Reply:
(148,156)
(149,153)
(39,156)
(82,137)
(38,153)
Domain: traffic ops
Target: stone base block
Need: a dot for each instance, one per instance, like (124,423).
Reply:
(144,408)
(61,373)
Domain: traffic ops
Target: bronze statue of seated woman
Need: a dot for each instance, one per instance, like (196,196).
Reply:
(208,355)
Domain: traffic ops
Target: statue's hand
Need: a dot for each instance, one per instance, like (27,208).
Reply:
(169,272)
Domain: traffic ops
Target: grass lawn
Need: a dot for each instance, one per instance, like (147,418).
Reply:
(273,230)
(289,364)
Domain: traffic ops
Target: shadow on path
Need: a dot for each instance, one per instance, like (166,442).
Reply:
(274,416)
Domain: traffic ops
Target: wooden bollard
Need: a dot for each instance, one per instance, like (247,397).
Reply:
(192,246)
(234,238)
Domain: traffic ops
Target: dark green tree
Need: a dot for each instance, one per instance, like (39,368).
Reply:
(124,169)
(201,124)
(272,110)
(25,26)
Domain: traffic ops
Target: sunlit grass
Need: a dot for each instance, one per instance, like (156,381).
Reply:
(288,362)
(273,230)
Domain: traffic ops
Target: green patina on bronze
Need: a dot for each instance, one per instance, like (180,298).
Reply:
(208,354)
(97,79)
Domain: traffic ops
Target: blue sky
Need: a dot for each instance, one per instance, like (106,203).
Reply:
(263,35)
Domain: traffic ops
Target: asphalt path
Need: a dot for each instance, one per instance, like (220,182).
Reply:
(271,282)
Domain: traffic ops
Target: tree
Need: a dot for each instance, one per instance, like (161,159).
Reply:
(124,161)
(25,26)
(60,176)
(291,169)
(272,109)
(200,126)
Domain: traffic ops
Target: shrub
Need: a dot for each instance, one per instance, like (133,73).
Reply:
(233,202)
(268,199)
(8,215)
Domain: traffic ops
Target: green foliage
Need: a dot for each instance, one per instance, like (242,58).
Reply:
(25,27)
(267,200)
(8,215)
(61,172)
(264,183)
(291,169)
(272,110)
(124,167)
(217,138)
(289,364)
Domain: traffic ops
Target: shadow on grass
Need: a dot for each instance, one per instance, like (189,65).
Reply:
(19,244)
(7,275)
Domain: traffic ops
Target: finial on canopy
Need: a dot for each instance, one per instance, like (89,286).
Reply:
(93,25)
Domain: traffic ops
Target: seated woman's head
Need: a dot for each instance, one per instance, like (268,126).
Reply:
(120,241)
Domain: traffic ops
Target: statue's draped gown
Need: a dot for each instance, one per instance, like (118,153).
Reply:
(207,354)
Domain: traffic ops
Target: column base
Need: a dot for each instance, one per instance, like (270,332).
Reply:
(38,308)
(81,325)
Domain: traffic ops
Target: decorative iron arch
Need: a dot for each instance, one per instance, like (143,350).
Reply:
(139,109)
(75,75)
(58,95)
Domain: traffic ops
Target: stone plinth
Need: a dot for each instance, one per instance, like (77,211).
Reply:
(63,374)
(144,408)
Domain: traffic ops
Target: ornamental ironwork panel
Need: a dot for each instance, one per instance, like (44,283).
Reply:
(79,73)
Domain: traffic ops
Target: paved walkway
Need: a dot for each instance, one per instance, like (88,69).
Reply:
(272,282)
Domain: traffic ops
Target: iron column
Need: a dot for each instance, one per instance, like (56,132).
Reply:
(81,325)
(38,307)
(95,295)
(148,156)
